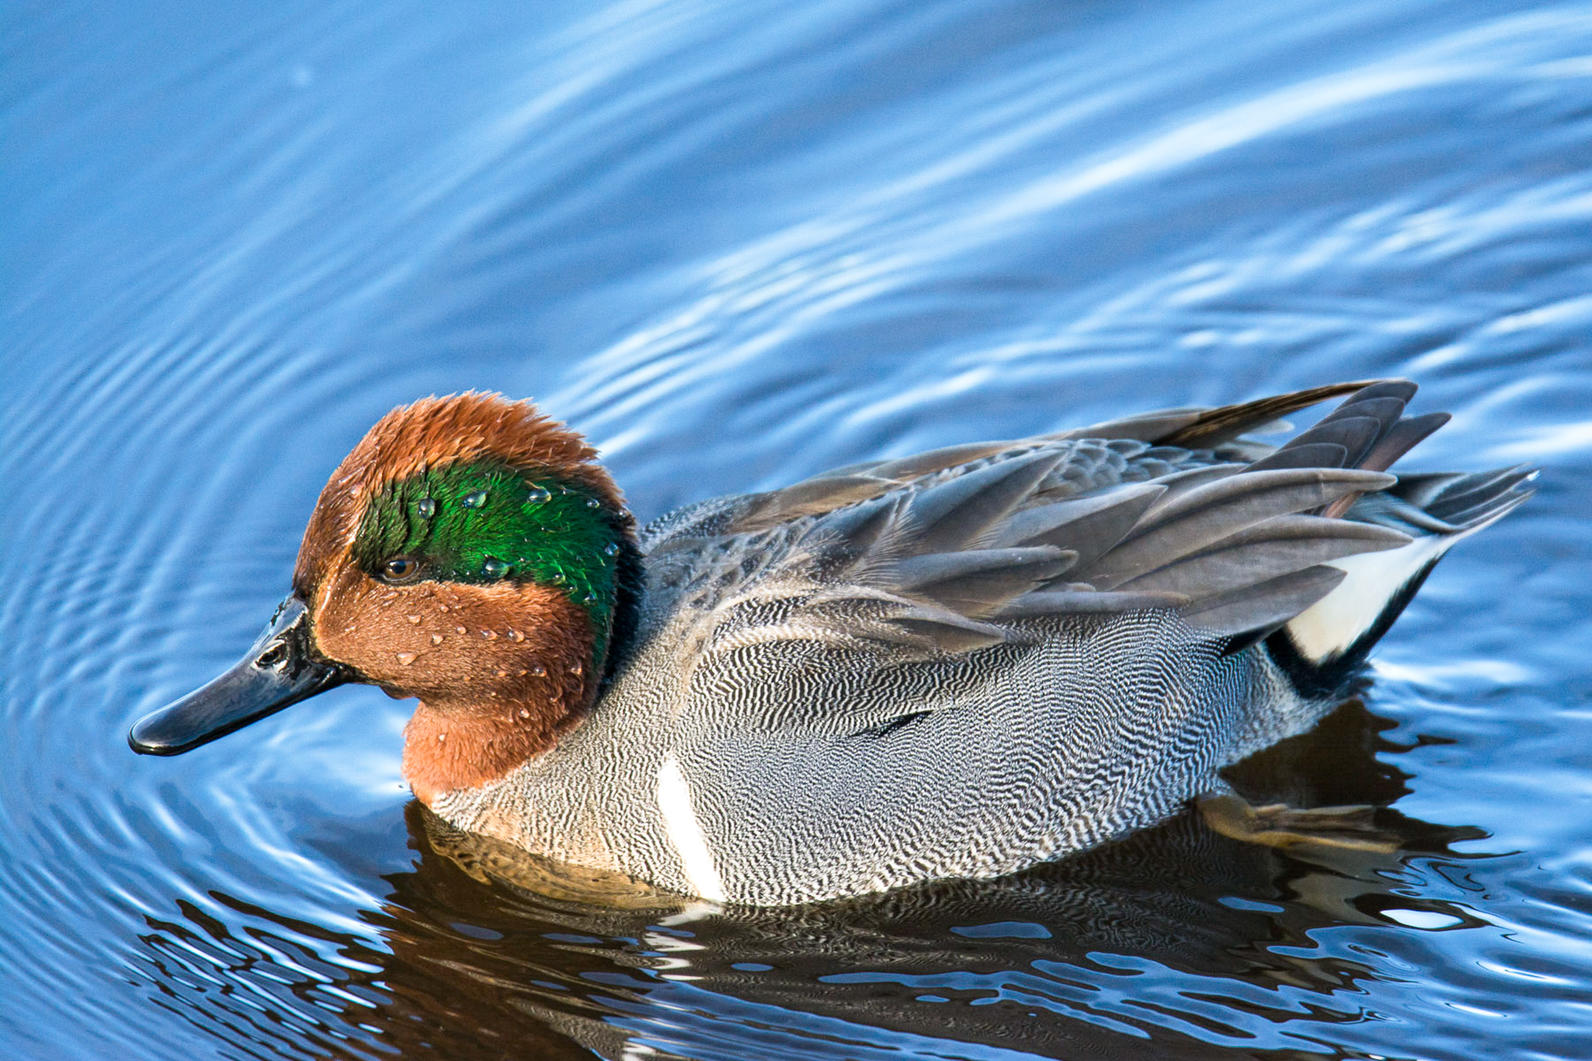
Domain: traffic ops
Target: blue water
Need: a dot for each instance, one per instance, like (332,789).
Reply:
(736,244)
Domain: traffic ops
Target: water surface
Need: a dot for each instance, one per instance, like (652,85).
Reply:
(736,244)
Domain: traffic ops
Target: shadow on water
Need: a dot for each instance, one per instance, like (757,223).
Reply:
(485,953)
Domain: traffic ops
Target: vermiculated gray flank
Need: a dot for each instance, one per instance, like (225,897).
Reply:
(964,662)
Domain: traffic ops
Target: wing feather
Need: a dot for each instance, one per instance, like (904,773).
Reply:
(909,561)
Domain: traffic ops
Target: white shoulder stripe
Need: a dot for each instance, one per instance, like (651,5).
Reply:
(685,831)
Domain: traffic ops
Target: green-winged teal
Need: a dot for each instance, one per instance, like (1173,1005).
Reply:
(953,664)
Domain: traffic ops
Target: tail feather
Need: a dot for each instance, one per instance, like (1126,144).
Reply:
(1317,614)
(1325,642)
(1321,645)
(1472,501)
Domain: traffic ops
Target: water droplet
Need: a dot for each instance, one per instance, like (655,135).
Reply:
(515,635)
(538,671)
(474,499)
(406,658)
(413,619)
(436,639)
(525,713)
(458,629)
(490,635)
(537,495)
(557,579)
(611,549)
(590,598)
(495,568)
(592,502)
(442,607)
(441,737)
(425,508)
(575,669)
(502,674)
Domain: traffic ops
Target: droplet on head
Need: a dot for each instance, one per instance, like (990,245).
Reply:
(515,635)
(557,579)
(590,598)
(490,635)
(495,568)
(525,712)
(441,737)
(474,499)
(425,508)
(611,549)
(537,495)
(436,639)
(538,671)
(458,629)
(406,658)
(575,668)
(502,673)
(592,502)
(414,619)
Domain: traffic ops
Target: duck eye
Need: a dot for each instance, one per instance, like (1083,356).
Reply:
(400,569)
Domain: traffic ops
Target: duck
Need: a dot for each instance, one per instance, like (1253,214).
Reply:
(956,664)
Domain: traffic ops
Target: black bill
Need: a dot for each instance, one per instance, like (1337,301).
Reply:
(281,669)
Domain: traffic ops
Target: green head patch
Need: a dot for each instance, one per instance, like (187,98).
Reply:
(484,522)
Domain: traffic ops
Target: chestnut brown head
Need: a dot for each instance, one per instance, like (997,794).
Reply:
(469,552)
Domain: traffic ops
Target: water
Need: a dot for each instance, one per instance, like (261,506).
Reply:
(736,244)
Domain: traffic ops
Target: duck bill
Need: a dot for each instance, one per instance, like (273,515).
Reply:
(281,669)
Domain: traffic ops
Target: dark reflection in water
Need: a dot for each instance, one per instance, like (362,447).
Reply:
(485,952)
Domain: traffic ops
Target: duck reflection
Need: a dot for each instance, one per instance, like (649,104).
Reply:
(1177,936)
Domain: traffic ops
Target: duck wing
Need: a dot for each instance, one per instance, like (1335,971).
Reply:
(913,564)
(1131,449)
(955,566)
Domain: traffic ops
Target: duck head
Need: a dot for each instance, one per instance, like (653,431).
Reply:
(469,552)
